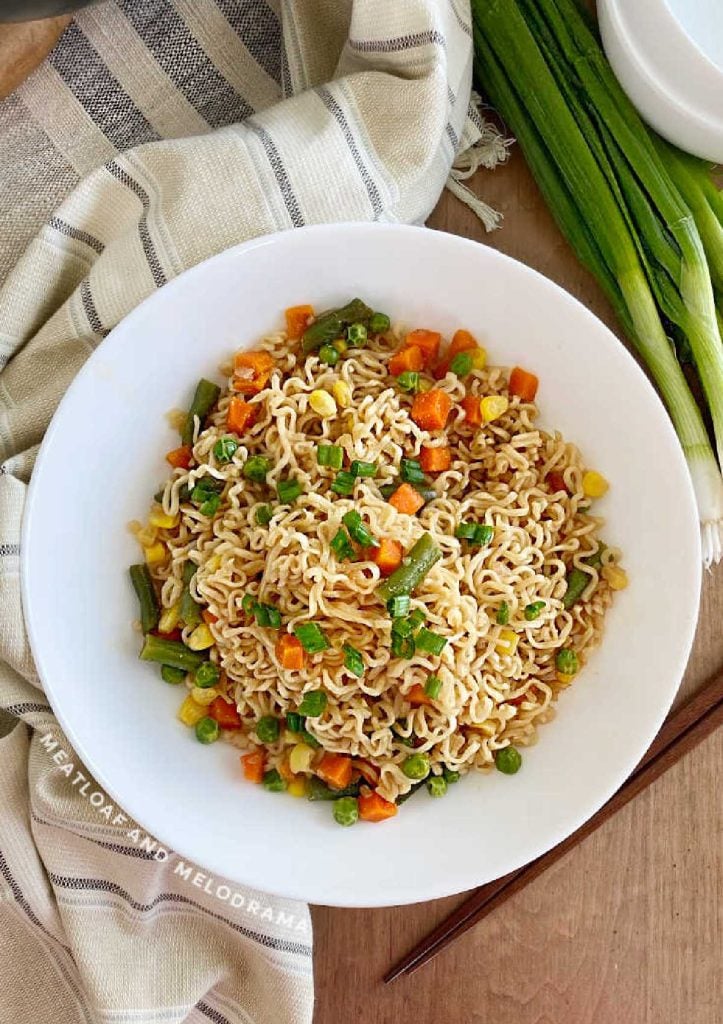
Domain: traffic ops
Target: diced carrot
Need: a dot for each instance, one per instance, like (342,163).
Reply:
(406,499)
(335,770)
(252,371)
(435,460)
(388,556)
(209,617)
(284,769)
(523,384)
(180,458)
(472,410)
(462,341)
(224,713)
(240,416)
(427,341)
(174,634)
(297,320)
(430,409)
(409,357)
(253,765)
(290,652)
(417,696)
(368,771)
(556,482)
(373,807)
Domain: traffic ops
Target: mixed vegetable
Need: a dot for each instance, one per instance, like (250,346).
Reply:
(181,638)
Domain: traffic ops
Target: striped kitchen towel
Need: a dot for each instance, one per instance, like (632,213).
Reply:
(157,133)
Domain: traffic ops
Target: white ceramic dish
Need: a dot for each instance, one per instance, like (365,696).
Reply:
(668,55)
(103,457)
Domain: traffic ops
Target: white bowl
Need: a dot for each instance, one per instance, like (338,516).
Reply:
(103,457)
(668,56)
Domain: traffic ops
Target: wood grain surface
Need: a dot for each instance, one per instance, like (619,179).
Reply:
(626,929)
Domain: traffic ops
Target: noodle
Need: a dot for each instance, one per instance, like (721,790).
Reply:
(488,700)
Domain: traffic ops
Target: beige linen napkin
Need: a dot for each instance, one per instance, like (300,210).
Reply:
(157,133)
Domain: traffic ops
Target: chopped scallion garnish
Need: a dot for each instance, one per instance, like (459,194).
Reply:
(343,483)
(411,471)
(263,515)
(359,468)
(433,686)
(431,643)
(248,603)
(358,531)
(256,468)
(313,703)
(533,610)
(288,490)
(312,638)
(398,606)
(341,545)
(417,618)
(402,646)
(353,660)
(330,455)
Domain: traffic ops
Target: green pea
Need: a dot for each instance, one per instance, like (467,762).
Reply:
(379,323)
(207,730)
(329,355)
(313,704)
(267,729)
(436,785)
(169,674)
(293,721)
(273,781)
(533,610)
(224,449)
(356,335)
(450,776)
(508,760)
(207,674)
(566,661)
(346,810)
(416,766)
(211,506)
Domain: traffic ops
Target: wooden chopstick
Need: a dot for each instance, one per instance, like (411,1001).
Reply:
(681,732)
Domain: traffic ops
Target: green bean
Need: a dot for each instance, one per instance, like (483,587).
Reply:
(423,555)
(410,792)
(595,560)
(171,652)
(147,600)
(318,790)
(190,608)
(204,398)
(329,325)
(577,581)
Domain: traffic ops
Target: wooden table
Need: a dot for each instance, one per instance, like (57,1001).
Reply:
(624,930)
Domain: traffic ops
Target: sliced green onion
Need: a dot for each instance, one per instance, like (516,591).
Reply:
(274,616)
(341,545)
(431,643)
(503,614)
(420,559)
(273,781)
(358,468)
(329,355)
(256,468)
(224,449)
(387,490)
(402,627)
(356,335)
(353,660)
(433,686)
(330,455)
(263,515)
(206,488)
(379,323)
(411,471)
(417,618)
(248,603)
(313,703)
(428,493)
(267,729)
(210,506)
(261,614)
(483,534)
(343,483)
(288,490)
(462,364)
(532,611)
(294,721)
(358,531)
(465,531)
(402,646)
(312,638)
(408,381)
(398,606)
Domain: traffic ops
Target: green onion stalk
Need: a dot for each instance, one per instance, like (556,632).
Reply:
(594,194)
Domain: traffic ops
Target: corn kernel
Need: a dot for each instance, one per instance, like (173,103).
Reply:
(169,618)
(493,406)
(204,695)
(300,758)
(479,358)
(213,564)
(340,345)
(297,787)
(146,536)
(176,418)
(155,554)
(322,403)
(565,678)
(201,638)
(507,642)
(288,737)
(486,728)
(616,577)
(162,520)
(594,485)
(190,712)
(342,394)
(135,527)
